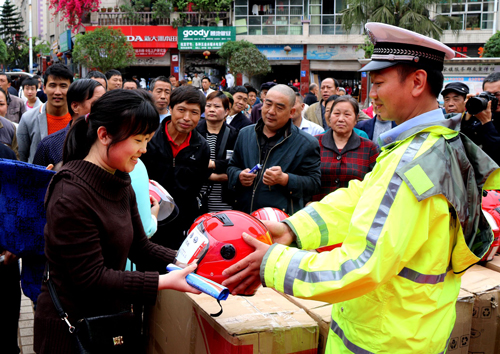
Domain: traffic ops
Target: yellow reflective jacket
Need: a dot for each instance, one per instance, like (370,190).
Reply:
(408,232)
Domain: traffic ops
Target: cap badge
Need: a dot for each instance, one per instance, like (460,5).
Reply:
(372,37)
(416,59)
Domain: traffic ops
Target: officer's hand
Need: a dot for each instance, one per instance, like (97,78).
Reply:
(275,175)
(244,275)
(485,116)
(246,179)
(280,232)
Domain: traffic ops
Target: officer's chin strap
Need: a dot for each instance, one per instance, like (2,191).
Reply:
(218,313)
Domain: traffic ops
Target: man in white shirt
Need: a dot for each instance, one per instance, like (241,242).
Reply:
(205,86)
(30,99)
(196,81)
(302,123)
(229,79)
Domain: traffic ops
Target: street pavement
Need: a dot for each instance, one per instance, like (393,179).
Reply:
(26,318)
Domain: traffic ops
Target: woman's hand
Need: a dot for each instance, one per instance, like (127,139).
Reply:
(222,177)
(176,280)
(49,167)
(155,206)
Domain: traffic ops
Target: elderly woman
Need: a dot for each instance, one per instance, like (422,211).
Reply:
(344,154)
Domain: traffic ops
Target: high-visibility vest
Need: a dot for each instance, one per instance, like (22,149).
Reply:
(408,232)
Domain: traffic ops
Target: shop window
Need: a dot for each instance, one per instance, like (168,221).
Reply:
(473,14)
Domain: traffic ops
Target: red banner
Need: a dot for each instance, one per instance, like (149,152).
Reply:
(147,37)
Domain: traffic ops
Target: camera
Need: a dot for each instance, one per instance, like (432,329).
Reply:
(479,103)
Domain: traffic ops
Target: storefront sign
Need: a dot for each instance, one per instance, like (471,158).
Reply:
(334,52)
(466,69)
(201,38)
(150,52)
(277,52)
(65,41)
(467,50)
(148,41)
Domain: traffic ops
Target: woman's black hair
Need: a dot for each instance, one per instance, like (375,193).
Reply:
(344,98)
(122,112)
(221,96)
(80,91)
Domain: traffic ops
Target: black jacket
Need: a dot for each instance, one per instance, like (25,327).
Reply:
(220,165)
(182,176)
(240,121)
(310,98)
(298,155)
(487,136)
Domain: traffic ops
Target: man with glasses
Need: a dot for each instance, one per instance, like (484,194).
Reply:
(483,128)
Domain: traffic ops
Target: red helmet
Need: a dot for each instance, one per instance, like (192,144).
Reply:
(271,214)
(491,211)
(199,219)
(217,244)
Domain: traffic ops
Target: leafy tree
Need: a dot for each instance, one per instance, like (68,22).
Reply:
(73,11)
(413,15)
(249,61)
(4,56)
(492,47)
(229,48)
(11,31)
(367,47)
(104,48)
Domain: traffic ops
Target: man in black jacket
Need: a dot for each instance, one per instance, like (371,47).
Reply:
(312,96)
(236,117)
(178,158)
(484,127)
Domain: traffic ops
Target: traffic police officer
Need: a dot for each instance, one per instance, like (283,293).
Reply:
(408,230)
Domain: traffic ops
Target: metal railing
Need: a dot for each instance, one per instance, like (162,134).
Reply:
(146,19)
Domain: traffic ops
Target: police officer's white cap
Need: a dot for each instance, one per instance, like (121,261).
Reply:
(394,45)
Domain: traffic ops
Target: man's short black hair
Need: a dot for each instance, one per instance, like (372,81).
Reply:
(251,89)
(94,74)
(188,94)
(172,76)
(159,78)
(132,81)
(206,78)
(9,79)
(435,78)
(493,77)
(236,89)
(30,81)
(113,72)
(58,71)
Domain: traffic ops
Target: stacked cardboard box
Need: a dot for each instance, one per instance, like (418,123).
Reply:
(264,323)
(485,285)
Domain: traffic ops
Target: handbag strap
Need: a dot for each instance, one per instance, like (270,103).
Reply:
(55,298)
(223,143)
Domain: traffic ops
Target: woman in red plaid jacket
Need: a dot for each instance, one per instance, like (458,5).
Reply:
(344,154)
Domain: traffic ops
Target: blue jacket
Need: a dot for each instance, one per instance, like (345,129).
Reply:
(368,126)
(298,155)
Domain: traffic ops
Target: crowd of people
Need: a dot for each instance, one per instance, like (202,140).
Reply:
(106,137)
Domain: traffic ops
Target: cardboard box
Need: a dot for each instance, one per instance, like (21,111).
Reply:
(485,285)
(264,323)
(494,264)
(460,336)
(321,312)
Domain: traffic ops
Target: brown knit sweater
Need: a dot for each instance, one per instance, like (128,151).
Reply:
(93,225)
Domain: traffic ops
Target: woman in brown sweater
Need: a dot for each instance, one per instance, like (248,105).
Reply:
(93,224)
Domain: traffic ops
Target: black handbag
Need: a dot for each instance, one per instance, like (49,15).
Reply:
(117,333)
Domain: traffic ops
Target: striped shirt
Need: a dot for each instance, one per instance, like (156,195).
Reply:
(215,202)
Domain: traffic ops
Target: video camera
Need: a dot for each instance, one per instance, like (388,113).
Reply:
(479,103)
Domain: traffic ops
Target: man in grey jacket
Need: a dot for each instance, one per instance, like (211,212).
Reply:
(16,107)
(34,125)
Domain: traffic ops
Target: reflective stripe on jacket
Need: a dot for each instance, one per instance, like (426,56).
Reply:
(407,231)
